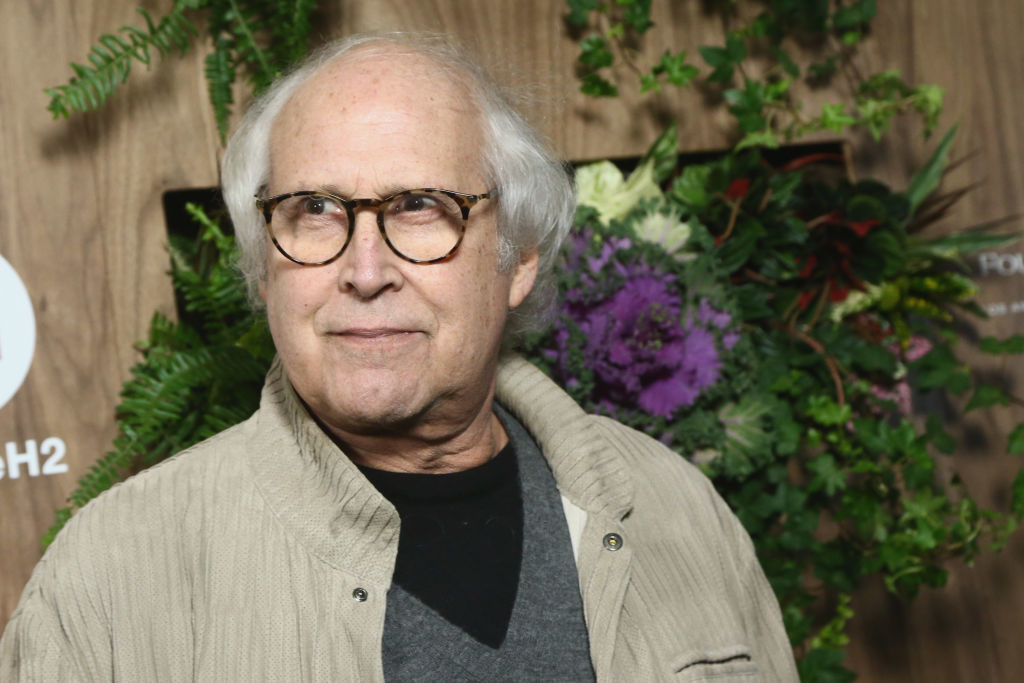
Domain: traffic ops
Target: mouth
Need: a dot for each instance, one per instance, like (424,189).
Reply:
(373,332)
(377,338)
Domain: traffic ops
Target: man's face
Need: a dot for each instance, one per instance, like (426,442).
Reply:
(372,343)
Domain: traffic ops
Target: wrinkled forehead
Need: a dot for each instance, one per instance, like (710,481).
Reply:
(384,90)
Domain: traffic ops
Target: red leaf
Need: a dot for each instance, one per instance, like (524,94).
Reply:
(806,298)
(809,266)
(837,294)
(848,271)
(862,228)
(737,189)
(800,162)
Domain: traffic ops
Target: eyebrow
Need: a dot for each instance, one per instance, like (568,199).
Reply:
(386,192)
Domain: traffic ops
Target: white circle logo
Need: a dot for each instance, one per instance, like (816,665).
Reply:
(17,332)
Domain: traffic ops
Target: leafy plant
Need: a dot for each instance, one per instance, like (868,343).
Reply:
(848,311)
(774,325)
(196,377)
(756,68)
(258,37)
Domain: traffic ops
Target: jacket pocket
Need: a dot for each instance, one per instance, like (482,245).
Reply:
(733,663)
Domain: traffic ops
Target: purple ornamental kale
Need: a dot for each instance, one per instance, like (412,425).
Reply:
(642,352)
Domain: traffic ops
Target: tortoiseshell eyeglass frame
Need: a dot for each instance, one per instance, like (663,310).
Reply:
(465,201)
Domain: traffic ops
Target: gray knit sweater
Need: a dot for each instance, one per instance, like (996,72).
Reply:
(264,554)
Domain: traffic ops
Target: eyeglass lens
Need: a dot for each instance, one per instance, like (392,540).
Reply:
(419,225)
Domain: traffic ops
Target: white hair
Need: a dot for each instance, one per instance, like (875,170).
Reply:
(535,202)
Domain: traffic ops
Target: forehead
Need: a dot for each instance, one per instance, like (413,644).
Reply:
(378,107)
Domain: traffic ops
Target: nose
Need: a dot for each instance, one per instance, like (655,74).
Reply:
(368,267)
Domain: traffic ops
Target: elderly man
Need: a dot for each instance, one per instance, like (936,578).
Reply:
(408,502)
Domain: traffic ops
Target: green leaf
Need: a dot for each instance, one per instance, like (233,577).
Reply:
(594,53)
(985,396)
(927,179)
(579,11)
(111,61)
(927,100)
(638,15)
(691,187)
(663,155)
(1017,501)
(761,138)
(1014,344)
(597,86)
(786,62)
(826,474)
(1015,445)
(937,434)
(835,118)
(854,15)
(825,666)
(827,412)
(724,59)
(675,69)
(939,368)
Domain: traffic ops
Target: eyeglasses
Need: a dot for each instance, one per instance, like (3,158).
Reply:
(313,228)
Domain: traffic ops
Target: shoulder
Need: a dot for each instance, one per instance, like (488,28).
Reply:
(137,525)
(173,486)
(126,557)
(658,472)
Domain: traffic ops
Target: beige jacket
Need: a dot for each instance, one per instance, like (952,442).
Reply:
(263,554)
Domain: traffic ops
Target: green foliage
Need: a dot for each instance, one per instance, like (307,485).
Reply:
(764,107)
(110,60)
(808,432)
(259,37)
(196,377)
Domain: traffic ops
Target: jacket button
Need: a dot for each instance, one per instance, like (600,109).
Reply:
(612,541)
(360,595)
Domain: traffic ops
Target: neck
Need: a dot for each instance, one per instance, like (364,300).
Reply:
(454,450)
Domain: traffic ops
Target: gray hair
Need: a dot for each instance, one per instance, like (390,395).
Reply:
(536,201)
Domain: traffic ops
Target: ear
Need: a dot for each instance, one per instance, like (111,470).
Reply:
(523,278)
(263,288)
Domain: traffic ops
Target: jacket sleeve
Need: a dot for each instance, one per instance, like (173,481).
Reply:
(772,650)
(30,649)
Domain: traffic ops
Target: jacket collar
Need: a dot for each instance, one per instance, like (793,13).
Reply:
(325,502)
(315,491)
(588,470)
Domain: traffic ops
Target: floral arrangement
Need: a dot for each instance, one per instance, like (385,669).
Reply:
(773,325)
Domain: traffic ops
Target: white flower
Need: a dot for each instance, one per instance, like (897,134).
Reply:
(601,185)
(665,229)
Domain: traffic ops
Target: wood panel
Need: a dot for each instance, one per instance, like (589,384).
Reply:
(967,631)
(81,223)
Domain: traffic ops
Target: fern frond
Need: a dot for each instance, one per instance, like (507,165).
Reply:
(110,61)
(196,377)
(291,30)
(220,76)
(244,23)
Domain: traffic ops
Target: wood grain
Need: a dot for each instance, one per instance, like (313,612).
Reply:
(81,222)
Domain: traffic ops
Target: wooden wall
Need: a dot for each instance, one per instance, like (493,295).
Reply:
(81,223)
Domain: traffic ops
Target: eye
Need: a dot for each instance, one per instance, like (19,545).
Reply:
(415,202)
(319,205)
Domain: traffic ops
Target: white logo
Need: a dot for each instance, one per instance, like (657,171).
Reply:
(1003,264)
(17,332)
